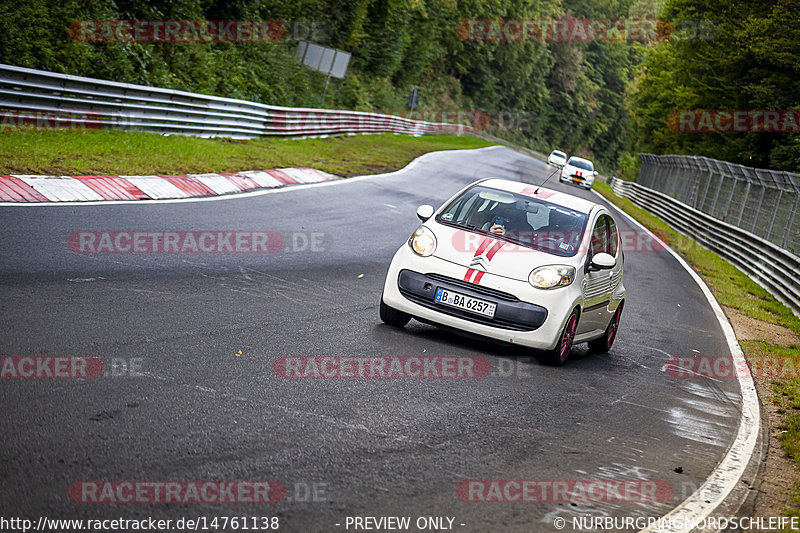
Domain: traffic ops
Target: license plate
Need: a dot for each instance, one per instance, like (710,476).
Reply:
(576,179)
(467,303)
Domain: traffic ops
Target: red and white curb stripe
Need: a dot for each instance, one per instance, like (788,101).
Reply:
(25,188)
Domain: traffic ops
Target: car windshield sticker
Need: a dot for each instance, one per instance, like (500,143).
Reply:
(498,196)
(447,216)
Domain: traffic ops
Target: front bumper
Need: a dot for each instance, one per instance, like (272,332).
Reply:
(583,181)
(510,313)
(525,315)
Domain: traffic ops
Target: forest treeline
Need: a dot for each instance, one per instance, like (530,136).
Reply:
(606,98)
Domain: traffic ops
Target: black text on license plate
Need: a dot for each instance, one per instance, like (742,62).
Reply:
(467,303)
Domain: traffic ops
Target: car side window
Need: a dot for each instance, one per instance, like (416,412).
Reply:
(612,236)
(599,236)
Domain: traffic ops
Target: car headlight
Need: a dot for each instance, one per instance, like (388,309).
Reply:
(423,241)
(552,276)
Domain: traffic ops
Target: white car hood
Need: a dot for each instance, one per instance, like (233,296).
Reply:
(486,254)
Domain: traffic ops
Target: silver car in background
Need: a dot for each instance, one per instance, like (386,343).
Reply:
(557,158)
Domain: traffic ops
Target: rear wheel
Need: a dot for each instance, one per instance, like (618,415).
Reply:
(393,317)
(558,355)
(604,343)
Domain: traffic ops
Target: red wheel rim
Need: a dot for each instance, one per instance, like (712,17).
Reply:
(612,327)
(569,335)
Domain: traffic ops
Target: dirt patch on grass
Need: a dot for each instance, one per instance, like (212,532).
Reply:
(780,474)
(747,328)
(364,170)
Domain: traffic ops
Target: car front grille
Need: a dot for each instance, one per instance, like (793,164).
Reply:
(511,313)
(492,293)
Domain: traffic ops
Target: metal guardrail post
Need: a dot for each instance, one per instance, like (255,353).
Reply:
(758,209)
(774,214)
(719,188)
(790,222)
(744,203)
(695,189)
(708,184)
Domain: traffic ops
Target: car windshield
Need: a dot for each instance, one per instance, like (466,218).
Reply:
(559,154)
(586,165)
(525,220)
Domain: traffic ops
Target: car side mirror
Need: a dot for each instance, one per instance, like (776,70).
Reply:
(596,173)
(424,212)
(601,261)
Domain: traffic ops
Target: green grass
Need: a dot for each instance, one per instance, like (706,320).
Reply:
(135,153)
(734,289)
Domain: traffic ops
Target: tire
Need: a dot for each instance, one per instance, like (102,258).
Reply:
(393,317)
(558,355)
(604,343)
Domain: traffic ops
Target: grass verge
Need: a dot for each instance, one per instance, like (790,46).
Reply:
(732,288)
(76,153)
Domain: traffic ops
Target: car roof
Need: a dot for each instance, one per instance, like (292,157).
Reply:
(548,195)
(576,158)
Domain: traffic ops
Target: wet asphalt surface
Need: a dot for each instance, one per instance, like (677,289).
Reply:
(195,410)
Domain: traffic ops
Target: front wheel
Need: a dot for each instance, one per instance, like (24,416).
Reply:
(393,317)
(604,343)
(558,355)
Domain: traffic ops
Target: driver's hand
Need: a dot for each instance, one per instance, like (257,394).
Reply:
(497,229)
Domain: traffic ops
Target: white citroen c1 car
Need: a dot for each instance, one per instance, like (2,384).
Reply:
(512,262)
(579,171)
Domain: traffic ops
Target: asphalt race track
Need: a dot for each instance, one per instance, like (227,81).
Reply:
(195,410)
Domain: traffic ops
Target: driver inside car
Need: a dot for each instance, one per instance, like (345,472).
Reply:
(498,226)
(510,222)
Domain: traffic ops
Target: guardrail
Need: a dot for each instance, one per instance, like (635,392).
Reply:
(762,202)
(35,98)
(773,267)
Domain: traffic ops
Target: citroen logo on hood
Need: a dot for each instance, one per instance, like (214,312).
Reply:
(480,263)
